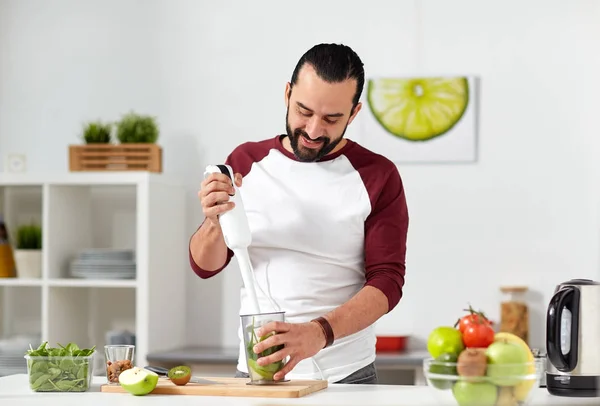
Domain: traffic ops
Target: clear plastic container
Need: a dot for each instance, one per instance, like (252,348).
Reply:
(60,374)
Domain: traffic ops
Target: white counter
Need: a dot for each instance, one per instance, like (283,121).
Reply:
(14,391)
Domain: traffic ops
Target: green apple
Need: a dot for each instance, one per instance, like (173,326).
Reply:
(475,393)
(445,339)
(138,381)
(444,364)
(507,363)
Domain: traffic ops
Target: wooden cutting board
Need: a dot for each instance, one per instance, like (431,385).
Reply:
(232,387)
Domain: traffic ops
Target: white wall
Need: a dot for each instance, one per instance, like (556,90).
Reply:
(526,213)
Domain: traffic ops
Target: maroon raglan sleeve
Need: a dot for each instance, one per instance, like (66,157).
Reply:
(203,273)
(386,231)
(240,160)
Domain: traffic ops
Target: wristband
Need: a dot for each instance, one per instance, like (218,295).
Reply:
(327,330)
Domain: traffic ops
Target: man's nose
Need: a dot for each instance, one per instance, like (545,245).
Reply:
(314,128)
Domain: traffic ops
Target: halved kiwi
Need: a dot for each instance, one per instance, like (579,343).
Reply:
(180,375)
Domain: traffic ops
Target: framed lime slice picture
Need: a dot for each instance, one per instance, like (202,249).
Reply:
(418,109)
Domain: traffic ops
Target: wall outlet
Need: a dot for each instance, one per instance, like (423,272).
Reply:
(15,163)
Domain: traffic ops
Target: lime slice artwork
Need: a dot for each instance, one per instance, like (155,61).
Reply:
(418,109)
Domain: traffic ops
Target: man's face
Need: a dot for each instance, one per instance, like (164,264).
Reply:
(318,114)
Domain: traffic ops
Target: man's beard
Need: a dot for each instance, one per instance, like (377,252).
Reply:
(310,154)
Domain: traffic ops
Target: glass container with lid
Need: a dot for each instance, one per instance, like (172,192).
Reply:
(514,311)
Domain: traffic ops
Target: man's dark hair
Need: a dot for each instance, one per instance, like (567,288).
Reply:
(334,63)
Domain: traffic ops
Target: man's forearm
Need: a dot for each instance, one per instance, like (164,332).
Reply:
(364,309)
(208,247)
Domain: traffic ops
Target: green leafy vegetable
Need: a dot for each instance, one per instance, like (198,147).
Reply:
(63,369)
(263,371)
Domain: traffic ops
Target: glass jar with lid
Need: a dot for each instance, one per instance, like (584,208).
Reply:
(514,311)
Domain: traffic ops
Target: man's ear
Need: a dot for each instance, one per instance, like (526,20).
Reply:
(288,93)
(355,112)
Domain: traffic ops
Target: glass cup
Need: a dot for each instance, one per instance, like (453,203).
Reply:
(260,374)
(118,359)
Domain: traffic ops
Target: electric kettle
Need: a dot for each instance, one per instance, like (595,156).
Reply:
(573,339)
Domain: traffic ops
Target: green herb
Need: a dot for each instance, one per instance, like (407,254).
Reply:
(137,128)
(97,132)
(29,237)
(63,369)
(264,371)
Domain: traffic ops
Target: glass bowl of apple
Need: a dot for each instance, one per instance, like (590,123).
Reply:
(483,369)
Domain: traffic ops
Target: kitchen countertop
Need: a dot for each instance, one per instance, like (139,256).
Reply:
(14,391)
(218,355)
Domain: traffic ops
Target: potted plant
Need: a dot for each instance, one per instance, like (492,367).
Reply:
(136,128)
(97,132)
(28,251)
(136,149)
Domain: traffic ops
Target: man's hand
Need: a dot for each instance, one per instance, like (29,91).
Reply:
(300,341)
(214,195)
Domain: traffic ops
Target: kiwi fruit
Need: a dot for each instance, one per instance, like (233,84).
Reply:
(472,362)
(180,375)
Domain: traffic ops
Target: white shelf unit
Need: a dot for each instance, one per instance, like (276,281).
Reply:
(140,211)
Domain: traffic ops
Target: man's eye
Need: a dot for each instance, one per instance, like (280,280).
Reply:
(305,114)
(328,121)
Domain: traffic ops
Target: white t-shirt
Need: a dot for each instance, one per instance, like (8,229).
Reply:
(320,232)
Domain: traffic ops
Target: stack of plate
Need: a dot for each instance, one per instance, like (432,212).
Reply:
(12,352)
(13,364)
(104,264)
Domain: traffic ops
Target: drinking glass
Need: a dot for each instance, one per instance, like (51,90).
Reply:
(118,359)
(260,374)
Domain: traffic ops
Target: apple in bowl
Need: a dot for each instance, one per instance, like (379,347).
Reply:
(489,369)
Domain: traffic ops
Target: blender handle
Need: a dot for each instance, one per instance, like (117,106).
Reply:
(234,223)
(560,300)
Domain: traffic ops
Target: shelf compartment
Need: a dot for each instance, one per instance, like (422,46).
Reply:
(19,206)
(20,311)
(86,217)
(20,326)
(85,315)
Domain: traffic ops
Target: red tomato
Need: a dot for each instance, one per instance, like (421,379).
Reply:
(472,319)
(478,335)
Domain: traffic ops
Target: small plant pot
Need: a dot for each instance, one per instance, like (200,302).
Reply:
(28,263)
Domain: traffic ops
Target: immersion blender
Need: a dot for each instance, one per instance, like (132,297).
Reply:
(236,232)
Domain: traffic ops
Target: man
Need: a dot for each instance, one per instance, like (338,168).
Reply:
(329,224)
